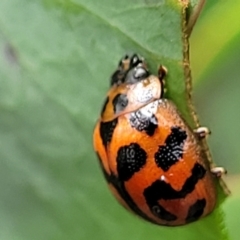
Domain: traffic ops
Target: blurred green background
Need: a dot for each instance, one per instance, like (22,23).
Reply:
(215,58)
(51,187)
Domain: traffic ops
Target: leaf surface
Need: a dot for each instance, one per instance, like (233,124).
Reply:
(56,57)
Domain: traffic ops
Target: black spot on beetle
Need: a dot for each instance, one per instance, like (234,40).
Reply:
(106,131)
(162,190)
(142,122)
(198,172)
(120,188)
(170,153)
(162,213)
(130,159)
(196,210)
(120,102)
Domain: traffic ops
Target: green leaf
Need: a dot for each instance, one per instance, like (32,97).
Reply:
(56,57)
(216,34)
(231,207)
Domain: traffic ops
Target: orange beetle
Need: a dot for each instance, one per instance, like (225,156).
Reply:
(151,159)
